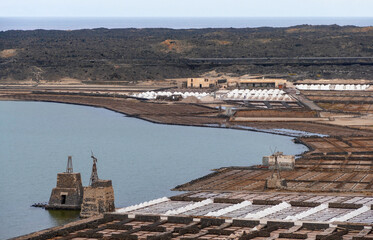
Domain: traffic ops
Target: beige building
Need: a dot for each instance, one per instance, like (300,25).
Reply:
(285,162)
(201,83)
(262,82)
(237,82)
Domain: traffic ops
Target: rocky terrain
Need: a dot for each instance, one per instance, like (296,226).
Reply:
(124,55)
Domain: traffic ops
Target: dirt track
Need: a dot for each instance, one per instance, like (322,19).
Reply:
(180,113)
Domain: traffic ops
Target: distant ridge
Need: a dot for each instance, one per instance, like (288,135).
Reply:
(76,23)
(103,55)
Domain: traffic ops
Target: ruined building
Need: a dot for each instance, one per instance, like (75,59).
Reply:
(98,196)
(284,162)
(68,194)
(275,181)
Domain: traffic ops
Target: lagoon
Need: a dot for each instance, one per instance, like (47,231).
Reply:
(144,160)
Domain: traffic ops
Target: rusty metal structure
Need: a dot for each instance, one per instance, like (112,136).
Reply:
(94,176)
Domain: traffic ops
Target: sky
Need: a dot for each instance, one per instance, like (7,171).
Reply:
(186,8)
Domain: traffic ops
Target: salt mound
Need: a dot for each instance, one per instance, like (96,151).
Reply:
(190,99)
(207,99)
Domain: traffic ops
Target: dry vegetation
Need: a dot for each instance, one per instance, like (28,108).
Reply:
(7,53)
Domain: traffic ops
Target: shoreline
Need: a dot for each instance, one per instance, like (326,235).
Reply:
(234,127)
(102,102)
(188,114)
(118,117)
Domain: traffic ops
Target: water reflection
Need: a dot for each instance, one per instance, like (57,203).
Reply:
(60,217)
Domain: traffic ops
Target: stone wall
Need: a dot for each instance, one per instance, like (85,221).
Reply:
(98,198)
(69,180)
(68,194)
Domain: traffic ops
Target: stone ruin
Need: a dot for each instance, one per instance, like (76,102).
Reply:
(98,196)
(277,162)
(68,194)
(275,182)
(284,162)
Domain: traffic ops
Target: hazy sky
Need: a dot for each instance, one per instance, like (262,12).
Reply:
(187,8)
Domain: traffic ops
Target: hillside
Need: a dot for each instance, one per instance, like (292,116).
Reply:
(110,55)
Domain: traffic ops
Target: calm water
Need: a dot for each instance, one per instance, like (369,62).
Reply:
(177,23)
(144,160)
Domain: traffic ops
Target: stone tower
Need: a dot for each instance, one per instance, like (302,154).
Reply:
(68,194)
(98,196)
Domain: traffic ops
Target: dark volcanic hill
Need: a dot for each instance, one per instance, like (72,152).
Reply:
(138,54)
